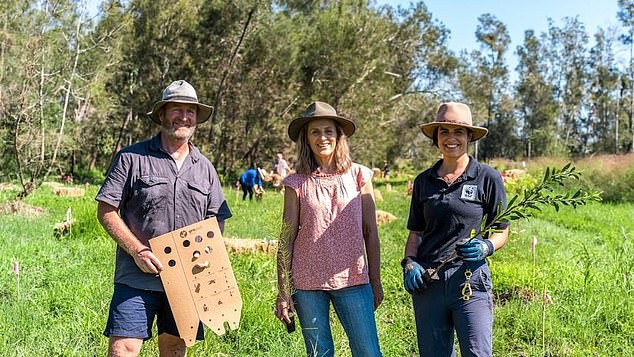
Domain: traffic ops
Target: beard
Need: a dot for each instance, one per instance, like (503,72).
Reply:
(178,133)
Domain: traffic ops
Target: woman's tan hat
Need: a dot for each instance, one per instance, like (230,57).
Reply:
(319,110)
(452,113)
(181,92)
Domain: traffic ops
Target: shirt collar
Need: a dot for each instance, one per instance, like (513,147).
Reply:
(155,145)
(471,172)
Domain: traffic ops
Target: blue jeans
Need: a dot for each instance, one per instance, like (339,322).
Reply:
(354,307)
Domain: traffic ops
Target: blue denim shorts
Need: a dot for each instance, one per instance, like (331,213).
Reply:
(132,313)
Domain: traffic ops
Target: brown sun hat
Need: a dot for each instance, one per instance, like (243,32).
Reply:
(319,110)
(181,92)
(457,114)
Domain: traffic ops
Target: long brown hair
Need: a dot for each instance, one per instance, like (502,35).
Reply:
(306,161)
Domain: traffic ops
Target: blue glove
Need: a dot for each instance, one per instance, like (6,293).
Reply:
(475,250)
(412,275)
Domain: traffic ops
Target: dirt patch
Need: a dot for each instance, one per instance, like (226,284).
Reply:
(20,208)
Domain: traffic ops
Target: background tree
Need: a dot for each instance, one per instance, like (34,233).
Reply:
(567,73)
(73,90)
(601,127)
(626,16)
(483,80)
(536,106)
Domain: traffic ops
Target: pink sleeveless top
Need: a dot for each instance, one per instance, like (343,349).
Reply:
(329,250)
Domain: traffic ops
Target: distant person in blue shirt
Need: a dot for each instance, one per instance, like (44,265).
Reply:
(248,180)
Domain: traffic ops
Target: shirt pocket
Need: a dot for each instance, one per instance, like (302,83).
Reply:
(151,193)
(198,195)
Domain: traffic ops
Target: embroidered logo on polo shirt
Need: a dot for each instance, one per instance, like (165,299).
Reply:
(469,192)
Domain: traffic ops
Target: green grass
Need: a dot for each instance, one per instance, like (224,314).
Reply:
(583,262)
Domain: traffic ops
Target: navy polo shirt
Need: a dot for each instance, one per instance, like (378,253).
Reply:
(154,198)
(445,214)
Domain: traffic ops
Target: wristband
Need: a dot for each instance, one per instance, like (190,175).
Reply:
(144,249)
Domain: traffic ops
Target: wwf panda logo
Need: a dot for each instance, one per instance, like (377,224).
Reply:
(469,192)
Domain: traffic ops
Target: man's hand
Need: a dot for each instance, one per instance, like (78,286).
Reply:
(412,275)
(147,261)
(475,250)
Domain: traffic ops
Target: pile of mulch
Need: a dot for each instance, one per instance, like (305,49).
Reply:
(20,208)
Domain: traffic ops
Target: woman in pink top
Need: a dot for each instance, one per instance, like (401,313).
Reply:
(329,249)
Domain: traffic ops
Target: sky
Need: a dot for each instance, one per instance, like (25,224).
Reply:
(461,18)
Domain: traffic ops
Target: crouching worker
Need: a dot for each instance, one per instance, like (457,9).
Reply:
(249,181)
(154,187)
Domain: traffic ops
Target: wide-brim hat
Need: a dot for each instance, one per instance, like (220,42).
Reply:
(319,110)
(458,114)
(181,92)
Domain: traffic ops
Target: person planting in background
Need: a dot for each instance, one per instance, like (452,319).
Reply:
(281,166)
(154,187)
(248,181)
(449,202)
(330,243)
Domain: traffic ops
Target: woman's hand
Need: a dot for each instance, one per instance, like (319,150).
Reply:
(284,308)
(377,291)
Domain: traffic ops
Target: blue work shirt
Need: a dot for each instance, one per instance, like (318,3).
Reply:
(250,178)
(154,197)
(445,214)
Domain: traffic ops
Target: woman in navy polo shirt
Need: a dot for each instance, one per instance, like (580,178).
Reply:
(449,201)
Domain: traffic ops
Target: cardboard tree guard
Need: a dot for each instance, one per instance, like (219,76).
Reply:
(198,279)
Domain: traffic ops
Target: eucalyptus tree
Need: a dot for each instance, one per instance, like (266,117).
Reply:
(260,63)
(42,86)
(602,124)
(420,73)
(483,78)
(341,58)
(366,62)
(535,102)
(625,14)
(12,37)
(106,107)
(568,74)
(251,90)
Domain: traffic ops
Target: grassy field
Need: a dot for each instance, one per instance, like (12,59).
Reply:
(573,295)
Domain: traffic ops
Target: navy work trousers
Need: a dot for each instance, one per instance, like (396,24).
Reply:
(440,310)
